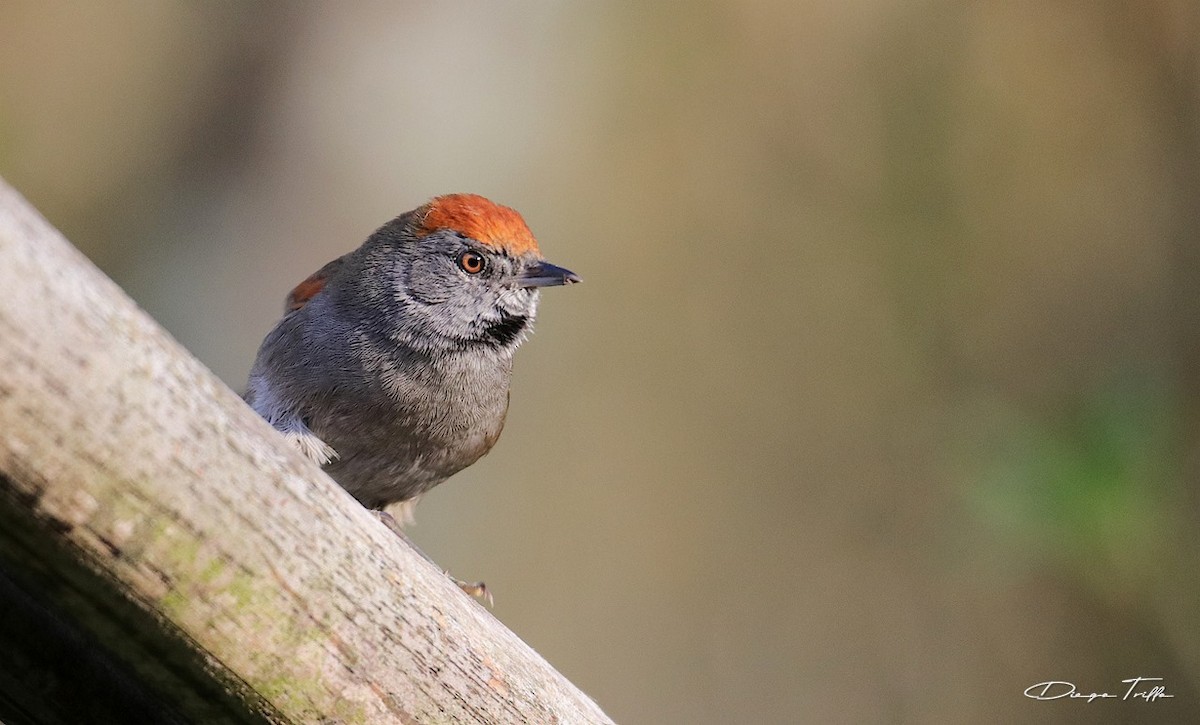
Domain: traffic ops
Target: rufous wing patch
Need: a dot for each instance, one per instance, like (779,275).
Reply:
(311,286)
(480,219)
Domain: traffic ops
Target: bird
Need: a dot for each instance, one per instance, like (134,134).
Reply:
(391,365)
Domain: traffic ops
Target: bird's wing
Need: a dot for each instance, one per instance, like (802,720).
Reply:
(312,286)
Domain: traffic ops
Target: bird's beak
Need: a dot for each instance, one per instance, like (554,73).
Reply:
(544,274)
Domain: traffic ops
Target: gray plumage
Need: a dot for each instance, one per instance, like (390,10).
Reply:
(392,366)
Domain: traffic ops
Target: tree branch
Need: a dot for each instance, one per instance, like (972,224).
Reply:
(145,503)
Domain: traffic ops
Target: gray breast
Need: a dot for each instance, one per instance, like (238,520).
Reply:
(421,425)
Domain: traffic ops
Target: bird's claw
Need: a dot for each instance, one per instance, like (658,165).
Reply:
(392,525)
(478,590)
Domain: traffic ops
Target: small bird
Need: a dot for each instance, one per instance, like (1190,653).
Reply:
(391,365)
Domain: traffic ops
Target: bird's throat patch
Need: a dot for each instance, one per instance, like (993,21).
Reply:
(505,332)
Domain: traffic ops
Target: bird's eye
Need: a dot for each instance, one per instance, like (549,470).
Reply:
(471,262)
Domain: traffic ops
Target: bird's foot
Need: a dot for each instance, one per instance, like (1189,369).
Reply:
(478,590)
(393,525)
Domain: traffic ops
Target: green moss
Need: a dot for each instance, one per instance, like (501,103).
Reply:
(162,657)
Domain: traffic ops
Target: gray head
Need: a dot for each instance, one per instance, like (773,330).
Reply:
(460,273)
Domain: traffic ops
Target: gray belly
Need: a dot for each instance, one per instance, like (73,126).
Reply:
(390,453)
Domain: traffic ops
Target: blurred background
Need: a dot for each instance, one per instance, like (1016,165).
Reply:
(880,401)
